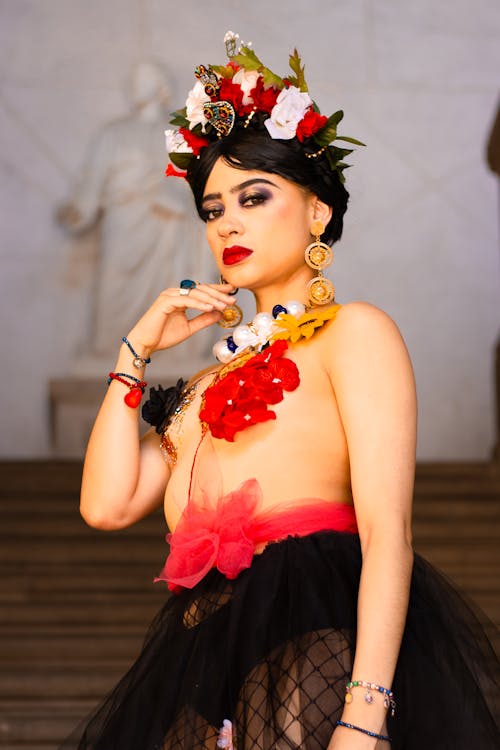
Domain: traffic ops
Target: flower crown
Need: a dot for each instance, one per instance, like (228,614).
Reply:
(245,92)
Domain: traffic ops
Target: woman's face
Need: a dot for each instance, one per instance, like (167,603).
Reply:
(258,226)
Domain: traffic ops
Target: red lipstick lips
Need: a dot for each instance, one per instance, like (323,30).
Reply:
(235,254)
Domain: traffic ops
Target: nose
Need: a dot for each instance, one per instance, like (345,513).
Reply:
(229,224)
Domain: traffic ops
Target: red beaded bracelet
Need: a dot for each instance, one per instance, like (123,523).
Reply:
(136,388)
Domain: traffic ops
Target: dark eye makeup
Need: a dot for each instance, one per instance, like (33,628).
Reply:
(254,197)
(209,214)
(247,199)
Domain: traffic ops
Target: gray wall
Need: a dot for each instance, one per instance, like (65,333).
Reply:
(419,83)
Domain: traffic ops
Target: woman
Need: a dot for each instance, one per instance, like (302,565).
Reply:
(288,477)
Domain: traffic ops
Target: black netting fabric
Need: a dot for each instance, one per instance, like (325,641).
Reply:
(271,652)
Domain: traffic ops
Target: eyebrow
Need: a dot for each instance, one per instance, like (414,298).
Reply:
(241,186)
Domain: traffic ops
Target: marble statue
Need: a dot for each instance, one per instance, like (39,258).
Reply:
(149,235)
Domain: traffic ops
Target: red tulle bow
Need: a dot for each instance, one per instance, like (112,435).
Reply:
(207,538)
(225,536)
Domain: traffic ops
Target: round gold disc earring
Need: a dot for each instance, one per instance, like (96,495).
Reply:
(319,255)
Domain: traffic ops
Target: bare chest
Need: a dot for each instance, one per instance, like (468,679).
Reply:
(301,453)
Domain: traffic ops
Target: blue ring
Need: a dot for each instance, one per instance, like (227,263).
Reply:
(187,284)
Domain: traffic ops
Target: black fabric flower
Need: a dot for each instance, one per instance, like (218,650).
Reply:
(162,403)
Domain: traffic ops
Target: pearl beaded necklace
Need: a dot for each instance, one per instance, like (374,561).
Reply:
(255,334)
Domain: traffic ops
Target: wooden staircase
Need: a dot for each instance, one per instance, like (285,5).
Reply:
(75,602)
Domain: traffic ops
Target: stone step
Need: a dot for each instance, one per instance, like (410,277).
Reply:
(32,476)
(41,526)
(70,613)
(426,491)
(68,648)
(110,597)
(19,731)
(75,550)
(451,507)
(444,551)
(448,469)
(451,531)
(79,682)
(42,724)
(51,580)
(93,629)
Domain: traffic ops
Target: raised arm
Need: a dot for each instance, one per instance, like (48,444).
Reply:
(373,381)
(124,479)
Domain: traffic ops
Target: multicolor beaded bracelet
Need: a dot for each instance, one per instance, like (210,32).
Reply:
(388,694)
(138,362)
(384,737)
(136,387)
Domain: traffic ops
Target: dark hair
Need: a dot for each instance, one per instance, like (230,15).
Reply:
(255,149)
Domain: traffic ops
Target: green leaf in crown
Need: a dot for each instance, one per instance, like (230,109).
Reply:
(298,79)
(180,160)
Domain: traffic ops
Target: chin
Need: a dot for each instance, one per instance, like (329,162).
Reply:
(244,278)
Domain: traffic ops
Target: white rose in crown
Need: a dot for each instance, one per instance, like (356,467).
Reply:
(291,106)
(175,143)
(247,80)
(197,97)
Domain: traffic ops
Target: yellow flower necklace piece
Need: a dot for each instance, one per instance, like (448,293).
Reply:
(293,329)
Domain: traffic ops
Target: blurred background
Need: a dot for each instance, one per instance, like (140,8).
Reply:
(91,231)
(419,83)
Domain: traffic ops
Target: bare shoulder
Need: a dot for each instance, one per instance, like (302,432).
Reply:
(362,320)
(361,316)
(363,335)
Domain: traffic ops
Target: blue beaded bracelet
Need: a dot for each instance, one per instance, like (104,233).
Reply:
(138,362)
(384,737)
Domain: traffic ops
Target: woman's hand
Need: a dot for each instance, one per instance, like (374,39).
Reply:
(165,324)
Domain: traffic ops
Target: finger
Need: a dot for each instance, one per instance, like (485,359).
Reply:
(212,296)
(204,291)
(225,287)
(172,304)
(220,290)
(204,320)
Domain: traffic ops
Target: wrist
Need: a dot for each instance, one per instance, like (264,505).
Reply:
(365,739)
(373,718)
(141,355)
(370,714)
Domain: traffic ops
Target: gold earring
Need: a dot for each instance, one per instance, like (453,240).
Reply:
(319,255)
(232,315)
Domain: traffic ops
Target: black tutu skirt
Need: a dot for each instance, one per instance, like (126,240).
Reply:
(271,651)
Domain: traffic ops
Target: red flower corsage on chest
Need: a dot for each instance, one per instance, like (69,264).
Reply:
(241,396)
